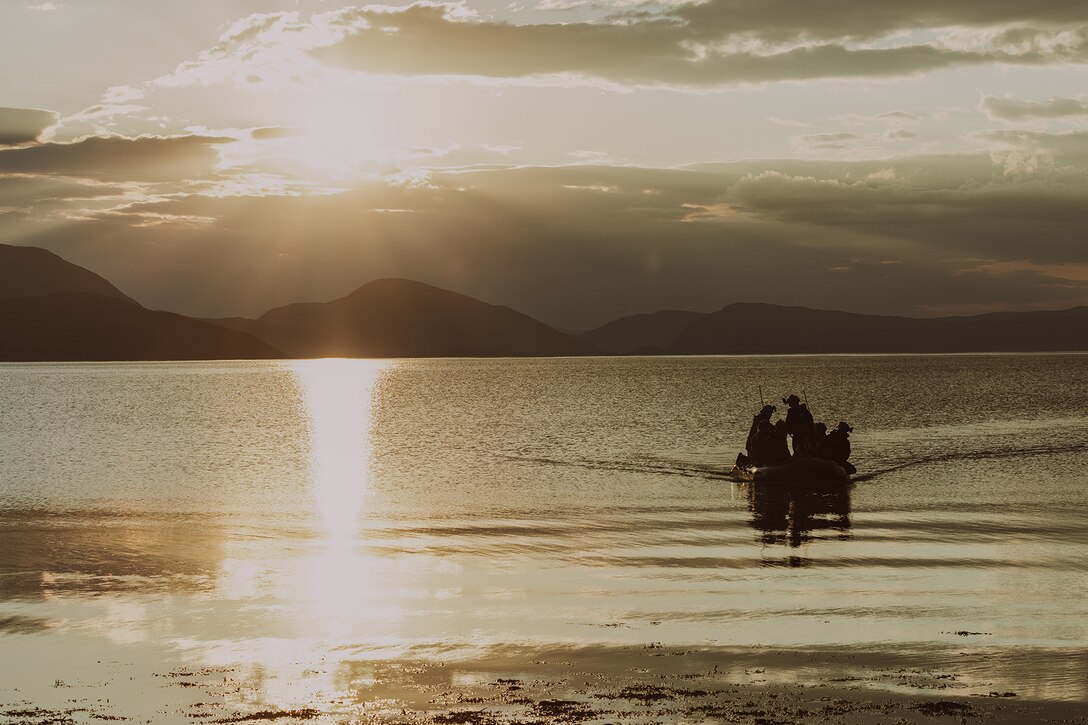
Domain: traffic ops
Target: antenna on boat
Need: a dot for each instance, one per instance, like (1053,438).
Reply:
(804,395)
(762,403)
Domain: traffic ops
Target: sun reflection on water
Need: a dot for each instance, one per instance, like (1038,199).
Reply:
(341,582)
(330,591)
(339,396)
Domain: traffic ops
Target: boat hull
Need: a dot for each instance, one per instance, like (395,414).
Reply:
(798,470)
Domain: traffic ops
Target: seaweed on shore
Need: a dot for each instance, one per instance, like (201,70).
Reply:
(306,713)
(945,707)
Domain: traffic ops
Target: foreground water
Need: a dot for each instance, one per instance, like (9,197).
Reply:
(287,523)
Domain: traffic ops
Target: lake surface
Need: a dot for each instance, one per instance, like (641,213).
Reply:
(290,522)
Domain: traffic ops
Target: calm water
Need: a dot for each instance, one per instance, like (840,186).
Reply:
(294,518)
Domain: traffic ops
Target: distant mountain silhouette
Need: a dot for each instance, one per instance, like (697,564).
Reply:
(33,272)
(641,334)
(51,309)
(81,326)
(402,318)
(743,329)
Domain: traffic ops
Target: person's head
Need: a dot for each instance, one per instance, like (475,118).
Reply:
(766,411)
(844,427)
(791,401)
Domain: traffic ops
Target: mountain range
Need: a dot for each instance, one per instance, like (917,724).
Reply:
(762,329)
(51,309)
(402,318)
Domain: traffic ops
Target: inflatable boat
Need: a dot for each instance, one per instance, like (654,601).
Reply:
(797,470)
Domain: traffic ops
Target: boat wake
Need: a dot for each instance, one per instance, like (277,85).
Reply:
(663,467)
(722,472)
(978,455)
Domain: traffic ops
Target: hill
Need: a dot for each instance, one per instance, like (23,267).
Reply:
(402,318)
(747,329)
(51,309)
(82,326)
(33,272)
(631,335)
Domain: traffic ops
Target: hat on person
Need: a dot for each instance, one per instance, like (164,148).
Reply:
(791,400)
(845,427)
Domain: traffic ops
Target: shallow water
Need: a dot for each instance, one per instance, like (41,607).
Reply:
(291,520)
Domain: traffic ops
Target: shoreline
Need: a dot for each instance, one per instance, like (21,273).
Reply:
(649,684)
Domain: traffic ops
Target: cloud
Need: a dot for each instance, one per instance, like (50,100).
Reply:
(787,122)
(144,158)
(273,132)
(856,145)
(823,141)
(263,50)
(716,43)
(712,44)
(892,235)
(24,125)
(1015,109)
(1034,153)
(787,19)
(897,117)
(26,192)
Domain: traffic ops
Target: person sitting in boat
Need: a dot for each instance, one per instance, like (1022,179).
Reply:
(799,424)
(763,415)
(759,443)
(819,435)
(836,447)
(777,451)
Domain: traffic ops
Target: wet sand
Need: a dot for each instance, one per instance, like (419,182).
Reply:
(649,684)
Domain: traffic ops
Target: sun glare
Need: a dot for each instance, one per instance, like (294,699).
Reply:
(339,135)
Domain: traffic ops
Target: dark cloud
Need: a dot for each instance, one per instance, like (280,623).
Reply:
(714,43)
(1015,109)
(424,39)
(118,158)
(875,202)
(24,192)
(24,125)
(788,19)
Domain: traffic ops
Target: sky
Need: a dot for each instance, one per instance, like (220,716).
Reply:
(577,160)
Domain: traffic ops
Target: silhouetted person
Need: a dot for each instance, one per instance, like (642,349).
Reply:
(763,415)
(799,425)
(819,435)
(759,442)
(836,447)
(778,450)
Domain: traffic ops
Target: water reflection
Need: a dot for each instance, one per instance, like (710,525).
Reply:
(325,591)
(339,395)
(341,580)
(790,514)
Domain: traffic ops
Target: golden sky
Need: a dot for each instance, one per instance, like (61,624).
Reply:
(576,160)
